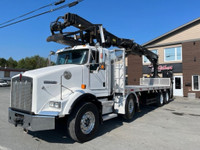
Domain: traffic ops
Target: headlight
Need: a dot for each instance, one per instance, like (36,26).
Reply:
(55,104)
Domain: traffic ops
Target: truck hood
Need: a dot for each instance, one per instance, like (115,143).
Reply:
(48,82)
(49,70)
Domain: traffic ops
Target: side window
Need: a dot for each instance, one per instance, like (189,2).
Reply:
(94,60)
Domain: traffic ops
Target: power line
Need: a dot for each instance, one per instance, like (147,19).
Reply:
(49,11)
(54,3)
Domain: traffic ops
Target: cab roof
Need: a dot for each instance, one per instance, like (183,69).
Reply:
(76,48)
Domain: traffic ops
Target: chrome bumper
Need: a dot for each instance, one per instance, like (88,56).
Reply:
(31,122)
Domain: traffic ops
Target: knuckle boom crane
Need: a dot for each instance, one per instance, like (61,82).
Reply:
(92,34)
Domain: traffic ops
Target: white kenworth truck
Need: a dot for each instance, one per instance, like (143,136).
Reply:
(87,84)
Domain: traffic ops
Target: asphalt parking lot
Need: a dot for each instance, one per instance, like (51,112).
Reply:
(175,126)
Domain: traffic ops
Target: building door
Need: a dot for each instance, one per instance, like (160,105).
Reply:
(178,86)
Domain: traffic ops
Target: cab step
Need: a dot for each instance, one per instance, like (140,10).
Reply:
(109,116)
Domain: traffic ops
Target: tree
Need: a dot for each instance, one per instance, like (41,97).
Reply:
(29,63)
(21,64)
(11,63)
(3,62)
(33,62)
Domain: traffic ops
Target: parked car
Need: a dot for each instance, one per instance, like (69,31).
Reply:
(3,83)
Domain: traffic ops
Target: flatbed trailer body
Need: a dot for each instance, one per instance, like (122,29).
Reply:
(141,88)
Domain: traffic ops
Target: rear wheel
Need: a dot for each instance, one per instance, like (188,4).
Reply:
(160,99)
(83,122)
(166,97)
(129,108)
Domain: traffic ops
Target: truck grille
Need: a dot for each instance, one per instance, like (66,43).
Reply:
(21,93)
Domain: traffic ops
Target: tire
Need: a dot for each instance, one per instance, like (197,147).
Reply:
(129,108)
(83,123)
(160,99)
(166,97)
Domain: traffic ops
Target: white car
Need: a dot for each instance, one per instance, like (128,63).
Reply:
(3,83)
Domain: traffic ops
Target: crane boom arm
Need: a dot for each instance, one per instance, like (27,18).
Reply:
(95,33)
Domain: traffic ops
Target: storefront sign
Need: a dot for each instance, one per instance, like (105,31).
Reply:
(176,68)
(164,67)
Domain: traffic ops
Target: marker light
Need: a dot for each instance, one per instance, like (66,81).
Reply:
(102,66)
(83,86)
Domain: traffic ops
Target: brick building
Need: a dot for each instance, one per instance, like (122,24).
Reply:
(178,51)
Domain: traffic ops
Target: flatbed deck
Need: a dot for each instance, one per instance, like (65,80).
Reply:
(140,88)
(149,84)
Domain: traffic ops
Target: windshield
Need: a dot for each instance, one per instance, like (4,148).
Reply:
(73,57)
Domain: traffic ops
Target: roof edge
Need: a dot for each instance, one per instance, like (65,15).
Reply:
(170,32)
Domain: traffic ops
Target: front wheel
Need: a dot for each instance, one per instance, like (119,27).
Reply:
(83,122)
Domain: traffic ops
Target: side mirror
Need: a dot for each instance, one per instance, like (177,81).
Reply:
(102,57)
(50,54)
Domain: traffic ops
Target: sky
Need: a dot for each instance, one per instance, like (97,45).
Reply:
(141,20)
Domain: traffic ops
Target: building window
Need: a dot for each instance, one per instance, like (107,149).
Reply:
(7,74)
(146,60)
(173,54)
(195,82)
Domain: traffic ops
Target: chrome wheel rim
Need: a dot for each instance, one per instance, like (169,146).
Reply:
(87,122)
(167,97)
(130,106)
(161,99)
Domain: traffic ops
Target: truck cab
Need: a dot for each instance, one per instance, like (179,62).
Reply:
(95,67)
(80,72)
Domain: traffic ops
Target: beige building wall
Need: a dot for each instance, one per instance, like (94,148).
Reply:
(188,34)
(160,51)
(126,61)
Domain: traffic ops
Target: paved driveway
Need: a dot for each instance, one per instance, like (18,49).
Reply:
(175,126)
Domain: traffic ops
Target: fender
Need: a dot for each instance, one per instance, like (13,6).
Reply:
(136,100)
(121,107)
(76,98)
(136,97)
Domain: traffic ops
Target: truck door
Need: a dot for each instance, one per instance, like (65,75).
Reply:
(97,72)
